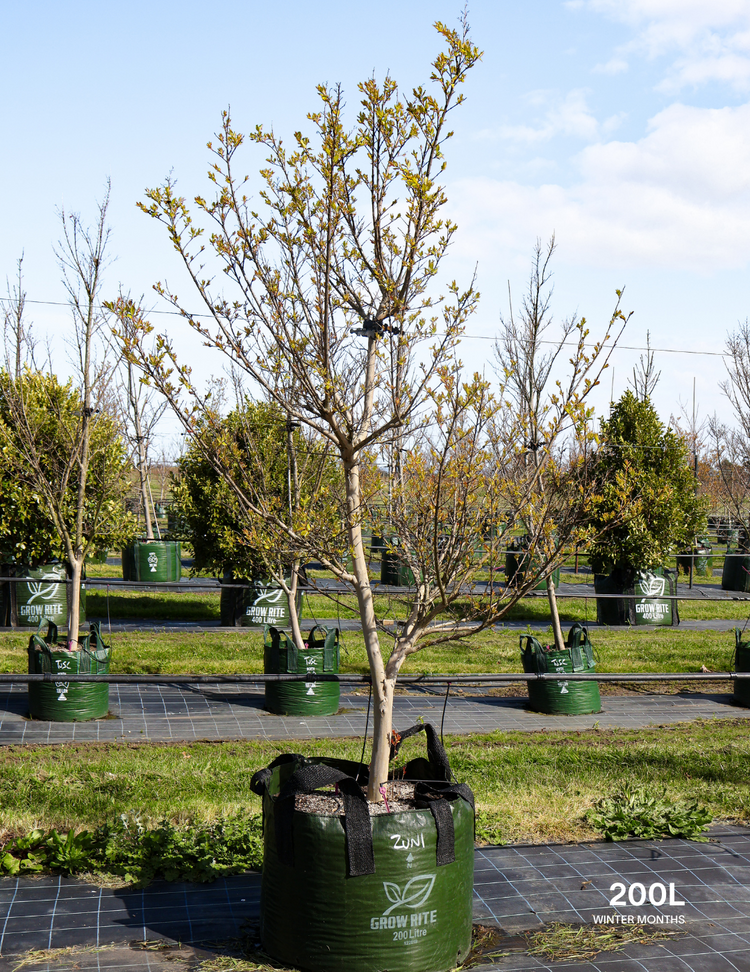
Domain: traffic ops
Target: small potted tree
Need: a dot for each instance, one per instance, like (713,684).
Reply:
(644,470)
(150,557)
(250,446)
(62,443)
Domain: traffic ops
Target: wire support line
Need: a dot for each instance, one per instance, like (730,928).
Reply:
(469,337)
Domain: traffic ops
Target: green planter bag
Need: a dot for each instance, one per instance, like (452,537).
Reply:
(393,571)
(158,561)
(699,556)
(650,601)
(741,664)
(345,891)
(735,575)
(68,701)
(43,597)
(321,654)
(563,697)
(256,603)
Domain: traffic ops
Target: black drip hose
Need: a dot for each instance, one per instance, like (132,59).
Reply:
(445,705)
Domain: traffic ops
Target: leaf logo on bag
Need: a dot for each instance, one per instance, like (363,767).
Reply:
(651,586)
(414,895)
(270,595)
(39,589)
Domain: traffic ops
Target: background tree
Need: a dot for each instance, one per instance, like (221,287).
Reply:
(644,469)
(17,331)
(250,443)
(337,319)
(142,415)
(49,442)
(30,533)
(730,447)
(544,432)
(645,376)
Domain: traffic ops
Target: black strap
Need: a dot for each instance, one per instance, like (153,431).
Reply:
(357,827)
(439,764)
(437,800)
(259,780)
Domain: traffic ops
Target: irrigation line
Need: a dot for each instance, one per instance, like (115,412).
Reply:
(406,680)
(176,586)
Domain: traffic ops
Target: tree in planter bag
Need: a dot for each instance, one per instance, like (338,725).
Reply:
(252,452)
(62,443)
(644,470)
(337,319)
(339,325)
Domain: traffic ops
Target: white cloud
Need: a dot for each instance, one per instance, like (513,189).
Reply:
(677,198)
(708,41)
(556,115)
(615,65)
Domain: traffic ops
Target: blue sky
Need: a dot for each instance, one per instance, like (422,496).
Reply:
(621,125)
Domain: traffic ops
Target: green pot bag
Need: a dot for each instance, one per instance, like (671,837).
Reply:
(157,561)
(43,597)
(256,603)
(650,597)
(735,575)
(68,701)
(563,697)
(741,664)
(518,563)
(281,657)
(350,892)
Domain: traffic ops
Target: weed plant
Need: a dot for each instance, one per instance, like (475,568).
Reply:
(649,816)
(138,854)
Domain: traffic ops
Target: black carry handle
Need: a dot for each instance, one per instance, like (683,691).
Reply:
(438,758)
(534,649)
(308,777)
(360,854)
(436,796)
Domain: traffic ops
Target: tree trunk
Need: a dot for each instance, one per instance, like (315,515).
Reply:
(382,687)
(382,728)
(74,602)
(142,460)
(292,605)
(556,628)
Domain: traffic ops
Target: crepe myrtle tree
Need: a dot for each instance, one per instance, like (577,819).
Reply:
(62,442)
(336,317)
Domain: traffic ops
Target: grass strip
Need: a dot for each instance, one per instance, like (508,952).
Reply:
(530,787)
(241,651)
